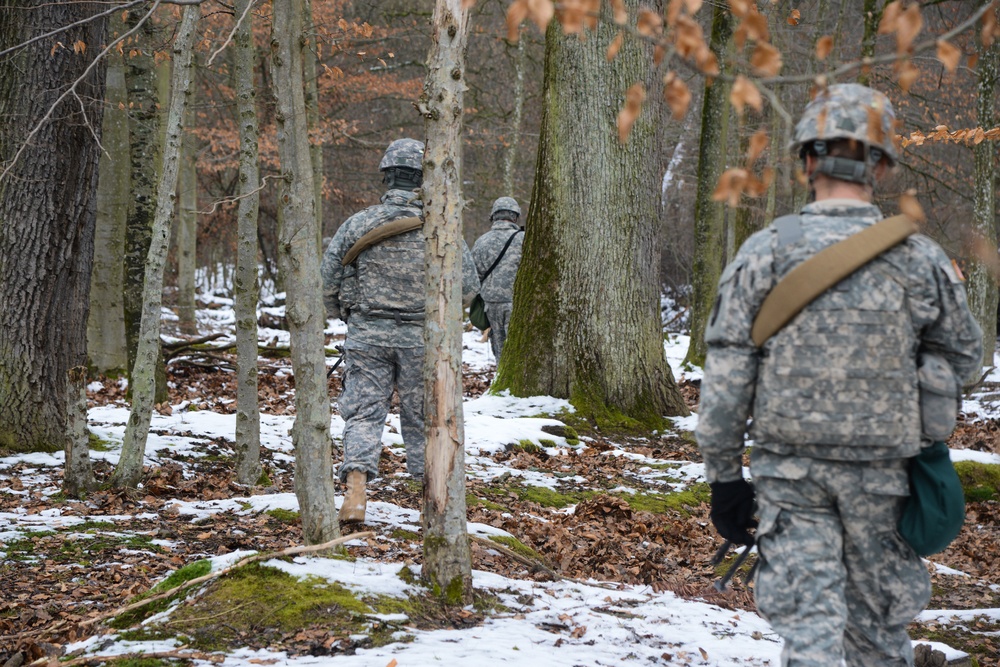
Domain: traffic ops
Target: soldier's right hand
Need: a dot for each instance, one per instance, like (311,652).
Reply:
(732,510)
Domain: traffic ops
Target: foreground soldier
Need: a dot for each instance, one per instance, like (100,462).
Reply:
(498,285)
(381,297)
(834,402)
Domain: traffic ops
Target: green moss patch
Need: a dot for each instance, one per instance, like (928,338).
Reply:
(678,501)
(980,481)
(406,535)
(284,516)
(186,573)
(472,500)
(517,546)
(972,636)
(99,444)
(547,497)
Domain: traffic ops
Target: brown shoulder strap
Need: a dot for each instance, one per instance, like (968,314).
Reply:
(380,233)
(803,284)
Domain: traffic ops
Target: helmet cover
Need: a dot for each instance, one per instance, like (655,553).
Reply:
(403,153)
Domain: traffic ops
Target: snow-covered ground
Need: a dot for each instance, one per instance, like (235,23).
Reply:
(627,626)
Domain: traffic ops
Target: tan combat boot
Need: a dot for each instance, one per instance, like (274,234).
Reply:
(353,509)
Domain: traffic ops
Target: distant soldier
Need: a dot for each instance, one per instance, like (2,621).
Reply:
(381,294)
(835,401)
(503,242)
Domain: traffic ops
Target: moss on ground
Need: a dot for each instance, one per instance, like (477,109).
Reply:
(472,500)
(176,578)
(678,501)
(981,481)
(407,535)
(965,636)
(284,516)
(547,497)
(99,444)
(517,546)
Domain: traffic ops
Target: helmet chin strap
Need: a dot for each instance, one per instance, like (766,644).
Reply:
(846,169)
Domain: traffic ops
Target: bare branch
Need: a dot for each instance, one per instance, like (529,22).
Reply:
(232,34)
(64,28)
(232,200)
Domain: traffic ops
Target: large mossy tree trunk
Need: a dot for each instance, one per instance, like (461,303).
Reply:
(298,263)
(106,324)
(982,283)
(47,216)
(709,215)
(447,559)
(586,320)
(245,283)
(128,472)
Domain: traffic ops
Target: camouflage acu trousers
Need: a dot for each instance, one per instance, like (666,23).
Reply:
(372,374)
(836,581)
(498,313)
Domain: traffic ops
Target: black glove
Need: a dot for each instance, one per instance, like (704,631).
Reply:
(732,510)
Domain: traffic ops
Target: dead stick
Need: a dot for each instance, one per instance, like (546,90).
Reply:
(86,660)
(291,551)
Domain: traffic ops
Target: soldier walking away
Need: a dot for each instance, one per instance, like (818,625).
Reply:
(380,293)
(503,242)
(835,402)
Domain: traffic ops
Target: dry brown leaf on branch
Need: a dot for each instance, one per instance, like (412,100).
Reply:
(890,14)
(706,61)
(971,61)
(740,8)
(948,54)
(744,93)
(758,143)
(649,23)
(876,135)
(615,45)
(766,60)
(468,4)
(541,12)
(908,27)
(990,29)
(909,205)
(79,46)
(634,97)
(824,45)
(756,187)
(620,13)
(907,75)
(677,95)
(688,37)
(754,27)
(673,11)
(516,13)
(659,52)
(692,6)
(730,186)
(793,18)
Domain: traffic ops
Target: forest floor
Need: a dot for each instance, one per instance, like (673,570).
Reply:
(588,548)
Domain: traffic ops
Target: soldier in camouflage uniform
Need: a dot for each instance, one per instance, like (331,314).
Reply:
(381,297)
(834,400)
(498,287)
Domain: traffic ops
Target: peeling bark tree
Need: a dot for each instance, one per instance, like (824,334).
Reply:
(709,215)
(106,324)
(245,281)
(447,559)
(586,320)
(298,263)
(129,469)
(47,217)
(982,284)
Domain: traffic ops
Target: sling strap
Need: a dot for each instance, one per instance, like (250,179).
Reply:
(500,256)
(807,281)
(381,233)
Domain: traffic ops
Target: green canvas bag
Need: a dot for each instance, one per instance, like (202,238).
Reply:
(477,309)
(935,511)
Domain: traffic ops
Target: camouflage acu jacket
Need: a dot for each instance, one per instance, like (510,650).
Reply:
(499,285)
(381,293)
(839,382)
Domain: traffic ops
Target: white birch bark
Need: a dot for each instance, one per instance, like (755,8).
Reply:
(510,159)
(187,230)
(245,281)
(129,468)
(447,559)
(298,263)
(78,476)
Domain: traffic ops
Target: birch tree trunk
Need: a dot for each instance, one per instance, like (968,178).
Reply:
(298,263)
(106,324)
(586,320)
(129,468)
(245,283)
(982,284)
(187,229)
(47,216)
(510,159)
(709,216)
(78,476)
(447,559)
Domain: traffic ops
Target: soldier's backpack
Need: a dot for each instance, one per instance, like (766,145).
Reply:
(477,309)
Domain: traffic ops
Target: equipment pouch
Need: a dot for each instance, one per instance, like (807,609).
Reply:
(939,397)
(477,313)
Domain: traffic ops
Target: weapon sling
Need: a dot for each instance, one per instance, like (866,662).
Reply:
(807,281)
(381,233)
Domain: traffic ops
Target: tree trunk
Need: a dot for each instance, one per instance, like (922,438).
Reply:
(78,476)
(298,263)
(47,216)
(586,320)
(510,159)
(447,559)
(245,285)
(311,79)
(187,229)
(982,285)
(129,469)
(709,215)
(872,15)
(106,324)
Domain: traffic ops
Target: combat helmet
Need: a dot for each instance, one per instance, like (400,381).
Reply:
(505,204)
(408,153)
(853,112)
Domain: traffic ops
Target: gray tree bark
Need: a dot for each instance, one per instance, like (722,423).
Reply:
(245,281)
(78,476)
(311,79)
(709,215)
(510,159)
(982,285)
(106,324)
(298,263)
(447,559)
(47,217)
(586,320)
(187,229)
(129,469)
